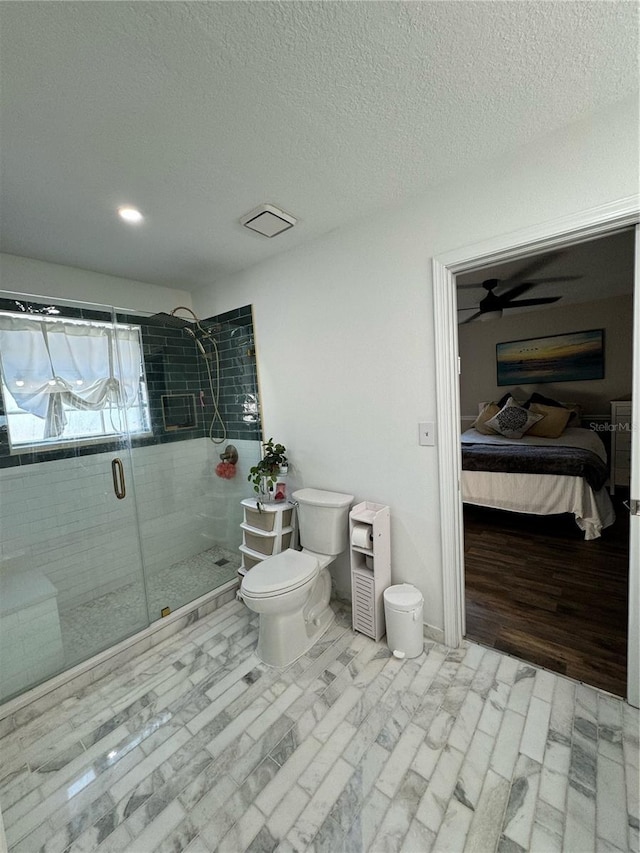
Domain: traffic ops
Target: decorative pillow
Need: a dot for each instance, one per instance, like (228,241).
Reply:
(501,402)
(544,401)
(575,414)
(553,423)
(575,409)
(505,399)
(513,420)
(480,423)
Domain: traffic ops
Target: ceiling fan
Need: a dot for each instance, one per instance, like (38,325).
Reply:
(493,304)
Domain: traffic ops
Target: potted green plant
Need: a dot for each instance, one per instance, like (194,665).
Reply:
(265,474)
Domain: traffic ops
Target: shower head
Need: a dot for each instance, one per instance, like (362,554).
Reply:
(188,326)
(163,319)
(198,342)
(174,322)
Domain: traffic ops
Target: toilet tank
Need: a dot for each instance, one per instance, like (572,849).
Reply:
(323,520)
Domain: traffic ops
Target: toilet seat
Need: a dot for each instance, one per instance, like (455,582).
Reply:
(322,559)
(281,573)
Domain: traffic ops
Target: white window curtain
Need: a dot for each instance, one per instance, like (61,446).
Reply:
(47,363)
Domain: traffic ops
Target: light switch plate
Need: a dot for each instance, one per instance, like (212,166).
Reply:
(427,433)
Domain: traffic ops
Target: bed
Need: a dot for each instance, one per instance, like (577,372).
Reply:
(541,476)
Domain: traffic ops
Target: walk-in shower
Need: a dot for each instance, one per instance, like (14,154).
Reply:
(111,513)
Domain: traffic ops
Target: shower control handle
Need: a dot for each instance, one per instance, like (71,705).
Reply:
(117,471)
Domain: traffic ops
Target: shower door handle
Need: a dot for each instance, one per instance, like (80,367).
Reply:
(117,471)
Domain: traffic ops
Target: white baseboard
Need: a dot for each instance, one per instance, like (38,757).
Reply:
(431,633)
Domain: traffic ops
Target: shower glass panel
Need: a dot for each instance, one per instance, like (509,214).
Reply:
(115,508)
(71,575)
(201,376)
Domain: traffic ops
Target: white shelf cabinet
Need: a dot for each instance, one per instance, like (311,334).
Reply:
(620,451)
(370,568)
(266,530)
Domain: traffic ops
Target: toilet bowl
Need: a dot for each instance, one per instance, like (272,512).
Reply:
(291,593)
(291,590)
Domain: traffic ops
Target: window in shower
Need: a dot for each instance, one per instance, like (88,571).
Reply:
(66,380)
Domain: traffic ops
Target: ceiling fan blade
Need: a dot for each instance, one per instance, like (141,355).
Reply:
(545,300)
(536,264)
(554,279)
(518,290)
(469,319)
(530,281)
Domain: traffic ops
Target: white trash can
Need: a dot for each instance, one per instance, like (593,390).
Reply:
(403,607)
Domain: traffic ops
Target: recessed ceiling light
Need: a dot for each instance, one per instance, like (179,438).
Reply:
(130,214)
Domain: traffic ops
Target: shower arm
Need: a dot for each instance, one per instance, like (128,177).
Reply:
(196,320)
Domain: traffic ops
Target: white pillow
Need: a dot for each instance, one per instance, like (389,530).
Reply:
(512,421)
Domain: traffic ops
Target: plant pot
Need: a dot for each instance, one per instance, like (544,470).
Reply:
(267,490)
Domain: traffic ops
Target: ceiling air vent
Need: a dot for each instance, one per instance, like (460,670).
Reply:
(268,220)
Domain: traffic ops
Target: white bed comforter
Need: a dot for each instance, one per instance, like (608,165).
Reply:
(541,494)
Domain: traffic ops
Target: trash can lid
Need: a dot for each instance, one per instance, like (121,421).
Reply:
(403,596)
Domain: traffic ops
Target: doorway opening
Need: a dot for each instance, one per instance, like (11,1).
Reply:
(522,245)
(538,585)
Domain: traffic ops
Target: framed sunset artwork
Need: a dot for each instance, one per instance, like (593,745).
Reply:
(571,357)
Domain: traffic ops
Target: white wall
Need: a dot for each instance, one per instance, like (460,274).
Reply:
(37,278)
(344,326)
(477,346)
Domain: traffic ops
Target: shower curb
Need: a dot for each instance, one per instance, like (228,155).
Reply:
(22,709)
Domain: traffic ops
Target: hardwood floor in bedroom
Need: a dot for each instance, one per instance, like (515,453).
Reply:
(535,589)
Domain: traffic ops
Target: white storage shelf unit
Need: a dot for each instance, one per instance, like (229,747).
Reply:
(266,530)
(370,566)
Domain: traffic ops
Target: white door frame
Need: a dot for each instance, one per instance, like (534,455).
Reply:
(633,651)
(576,228)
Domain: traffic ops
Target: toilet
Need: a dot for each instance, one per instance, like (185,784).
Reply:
(291,590)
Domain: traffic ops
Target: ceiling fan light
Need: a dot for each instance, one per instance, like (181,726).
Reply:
(490,315)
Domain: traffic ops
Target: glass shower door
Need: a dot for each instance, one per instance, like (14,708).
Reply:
(201,376)
(71,574)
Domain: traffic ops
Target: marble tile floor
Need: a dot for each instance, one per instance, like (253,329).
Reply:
(96,625)
(197,746)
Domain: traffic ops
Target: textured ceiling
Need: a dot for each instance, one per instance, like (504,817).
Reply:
(198,112)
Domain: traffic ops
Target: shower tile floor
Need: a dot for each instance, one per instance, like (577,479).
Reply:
(196,745)
(89,628)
